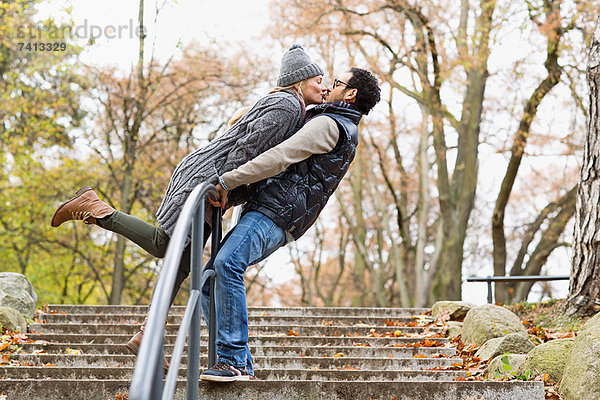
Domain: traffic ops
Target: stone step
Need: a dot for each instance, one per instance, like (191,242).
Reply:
(122,360)
(288,351)
(304,330)
(253,320)
(120,339)
(280,311)
(262,374)
(298,352)
(26,389)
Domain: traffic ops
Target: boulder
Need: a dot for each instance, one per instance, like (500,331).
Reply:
(581,375)
(497,368)
(511,343)
(454,329)
(12,319)
(456,309)
(489,321)
(593,323)
(17,292)
(549,358)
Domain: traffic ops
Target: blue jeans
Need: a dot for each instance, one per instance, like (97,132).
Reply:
(253,239)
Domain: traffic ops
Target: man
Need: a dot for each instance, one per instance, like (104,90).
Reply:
(282,207)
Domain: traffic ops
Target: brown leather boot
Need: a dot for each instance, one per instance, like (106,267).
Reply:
(84,206)
(135,342)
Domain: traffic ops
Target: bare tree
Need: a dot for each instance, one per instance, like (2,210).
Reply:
(146,120)
(553,26)
(409,197)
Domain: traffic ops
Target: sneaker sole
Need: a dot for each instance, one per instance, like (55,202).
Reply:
(77,194)
(216,378)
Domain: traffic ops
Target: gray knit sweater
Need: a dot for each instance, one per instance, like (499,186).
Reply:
(270,121)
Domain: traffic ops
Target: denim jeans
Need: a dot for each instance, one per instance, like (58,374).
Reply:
(253,239)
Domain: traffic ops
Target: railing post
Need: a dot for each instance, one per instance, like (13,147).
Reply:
(529,278)
(158,381)
(212,318)
(147,381)
(489,285)
(197,241)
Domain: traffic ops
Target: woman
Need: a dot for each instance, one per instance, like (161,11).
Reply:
(267,123)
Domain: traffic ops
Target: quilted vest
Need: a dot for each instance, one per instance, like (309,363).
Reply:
(295,198)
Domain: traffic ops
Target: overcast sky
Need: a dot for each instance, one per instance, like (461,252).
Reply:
(185,20)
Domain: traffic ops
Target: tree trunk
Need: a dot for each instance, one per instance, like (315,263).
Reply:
(584,287)
(422,293)
(359,237)
(130,149)
(550,240)
(530,110)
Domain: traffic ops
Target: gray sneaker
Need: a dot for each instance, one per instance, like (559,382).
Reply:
(223,372)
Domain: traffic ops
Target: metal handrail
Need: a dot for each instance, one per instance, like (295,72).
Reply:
(147,382)
(535,278)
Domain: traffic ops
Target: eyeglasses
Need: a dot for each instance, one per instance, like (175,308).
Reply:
(336,82)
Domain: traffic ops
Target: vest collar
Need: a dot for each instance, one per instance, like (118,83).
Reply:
(339,107)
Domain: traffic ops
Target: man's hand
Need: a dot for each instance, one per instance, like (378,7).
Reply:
(224,194)
(214,203)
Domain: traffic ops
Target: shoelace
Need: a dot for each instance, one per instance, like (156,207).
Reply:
(221,366)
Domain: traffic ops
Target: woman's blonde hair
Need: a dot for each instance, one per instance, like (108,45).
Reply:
(238,114)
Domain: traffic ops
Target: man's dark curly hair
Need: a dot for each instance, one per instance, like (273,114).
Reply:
(368,93)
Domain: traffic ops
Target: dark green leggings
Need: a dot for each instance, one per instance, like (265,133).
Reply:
(150,238)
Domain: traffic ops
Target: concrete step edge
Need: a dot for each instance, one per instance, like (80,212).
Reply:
(123,338)
(286,390)
(28,347)
(250,326)
(250,308)
(257,358)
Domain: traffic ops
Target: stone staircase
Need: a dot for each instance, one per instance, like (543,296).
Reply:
(77,352)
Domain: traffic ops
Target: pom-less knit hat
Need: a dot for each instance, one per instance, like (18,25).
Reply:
(296,66)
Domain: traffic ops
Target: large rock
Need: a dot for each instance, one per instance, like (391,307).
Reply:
(17,292)
(454,329)
(511,343)
(549,358)
(581,376)
(490,321)
(498,369)
(12,319)
(593,323)
(456,309)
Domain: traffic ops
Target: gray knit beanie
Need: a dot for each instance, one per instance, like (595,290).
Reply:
(296,66)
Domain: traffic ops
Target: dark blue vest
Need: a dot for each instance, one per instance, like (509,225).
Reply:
(295,198)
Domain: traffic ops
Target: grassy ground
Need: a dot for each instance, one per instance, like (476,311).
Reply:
(547,315)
